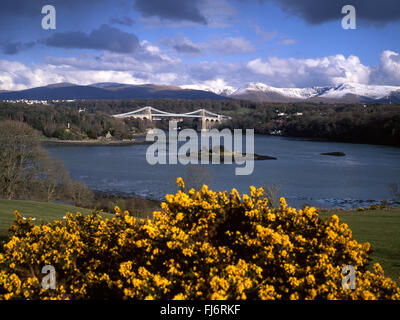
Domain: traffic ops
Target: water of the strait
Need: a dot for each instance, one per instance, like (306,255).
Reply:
(360,178)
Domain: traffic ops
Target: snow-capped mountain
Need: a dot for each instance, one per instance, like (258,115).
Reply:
(222,90)
(294,93)
(213,90)
(363,90)
(347,92)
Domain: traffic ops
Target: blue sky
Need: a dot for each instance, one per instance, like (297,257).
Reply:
(199,43)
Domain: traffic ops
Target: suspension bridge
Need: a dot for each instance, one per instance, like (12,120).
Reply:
(207,119)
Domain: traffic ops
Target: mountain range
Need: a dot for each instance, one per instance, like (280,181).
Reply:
(107,90)
(345,92)
(258,92)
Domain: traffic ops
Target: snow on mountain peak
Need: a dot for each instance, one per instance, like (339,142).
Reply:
(297,93)
(217,86)
(338,91)
(358,89)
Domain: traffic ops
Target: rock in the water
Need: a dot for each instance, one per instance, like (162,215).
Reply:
(263,157)
(335,154)
(220,152)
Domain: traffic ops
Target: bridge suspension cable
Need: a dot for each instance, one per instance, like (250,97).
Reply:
(148,111)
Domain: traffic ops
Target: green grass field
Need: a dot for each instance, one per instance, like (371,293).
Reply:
(38,210)
(381,228)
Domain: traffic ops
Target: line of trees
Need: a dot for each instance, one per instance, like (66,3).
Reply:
(372,123)
(381,127)
(65,123)
(28,172)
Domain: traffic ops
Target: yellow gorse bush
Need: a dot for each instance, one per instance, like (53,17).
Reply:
(201,245)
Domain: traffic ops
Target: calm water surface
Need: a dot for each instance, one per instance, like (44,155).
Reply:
(305,176)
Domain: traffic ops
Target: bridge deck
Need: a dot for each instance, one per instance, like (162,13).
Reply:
(167,115)
(201,113)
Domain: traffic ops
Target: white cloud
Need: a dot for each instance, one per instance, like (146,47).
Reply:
(388,72)
(16,76)
(147,65)
(307,72)
(218,86)
(151,65)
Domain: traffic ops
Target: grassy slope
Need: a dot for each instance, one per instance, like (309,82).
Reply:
(44,210)
(382,230)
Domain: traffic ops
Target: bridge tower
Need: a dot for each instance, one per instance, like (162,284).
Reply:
(147,112)
(202,121)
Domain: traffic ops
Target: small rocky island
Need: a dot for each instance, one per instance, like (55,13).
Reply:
(221,152)
(334,154)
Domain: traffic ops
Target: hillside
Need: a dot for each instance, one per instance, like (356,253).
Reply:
(107,91)
(33,209)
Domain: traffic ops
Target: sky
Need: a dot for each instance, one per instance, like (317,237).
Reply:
(202,44)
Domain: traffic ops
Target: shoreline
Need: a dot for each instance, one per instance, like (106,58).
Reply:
(88,143)
(324,204)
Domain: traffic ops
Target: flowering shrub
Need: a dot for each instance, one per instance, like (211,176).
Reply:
(202,245)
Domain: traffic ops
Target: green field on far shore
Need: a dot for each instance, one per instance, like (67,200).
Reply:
(381,228)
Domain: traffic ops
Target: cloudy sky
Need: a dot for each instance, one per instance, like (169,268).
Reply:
(207,43)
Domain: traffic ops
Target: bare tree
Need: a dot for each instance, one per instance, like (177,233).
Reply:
(26,169)
(81,194)
(19,151)
(54,179)
(395,190)
(271,192)
(196,176)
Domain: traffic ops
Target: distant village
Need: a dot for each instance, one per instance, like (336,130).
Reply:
(28,101)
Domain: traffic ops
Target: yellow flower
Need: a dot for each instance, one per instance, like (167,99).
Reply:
(180,183)
(179,296)
(199,245)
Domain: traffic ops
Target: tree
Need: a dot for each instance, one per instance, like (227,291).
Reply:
(54,179)
(395,190)
(27,171)
(271,192)
(196,176)
(81,194)
(19,154)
